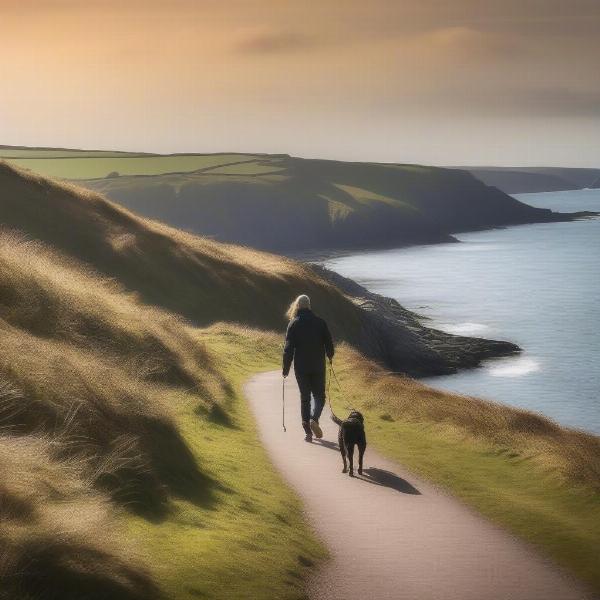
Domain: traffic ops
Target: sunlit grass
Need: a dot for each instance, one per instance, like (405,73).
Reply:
(537,479)
(129,463)
(254,542)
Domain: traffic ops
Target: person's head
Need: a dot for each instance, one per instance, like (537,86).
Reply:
(302,301)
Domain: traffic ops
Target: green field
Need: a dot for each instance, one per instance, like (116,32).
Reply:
(96,166)
(15,152)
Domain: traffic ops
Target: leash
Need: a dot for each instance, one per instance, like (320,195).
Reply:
(332,372)
(283,405)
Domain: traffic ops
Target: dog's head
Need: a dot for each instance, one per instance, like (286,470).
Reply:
(354,414)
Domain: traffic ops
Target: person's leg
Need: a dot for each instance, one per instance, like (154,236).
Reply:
(318,391)
(304,386)
(317,386)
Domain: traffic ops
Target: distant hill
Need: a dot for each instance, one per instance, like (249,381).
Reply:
(287,204)
(290,204)
(523,180)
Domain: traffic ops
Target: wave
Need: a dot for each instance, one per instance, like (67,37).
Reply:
(514,367)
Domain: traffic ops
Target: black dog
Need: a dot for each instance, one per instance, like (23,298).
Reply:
(352,432)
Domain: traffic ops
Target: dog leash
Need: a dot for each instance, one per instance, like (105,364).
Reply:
(283,405)
(332,372)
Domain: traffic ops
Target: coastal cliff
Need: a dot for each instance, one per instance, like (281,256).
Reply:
(286,204)
(407,346)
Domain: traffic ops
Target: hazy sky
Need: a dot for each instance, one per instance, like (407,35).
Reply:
(434,81)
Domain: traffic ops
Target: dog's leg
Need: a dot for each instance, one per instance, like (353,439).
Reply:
(362,446)
(350,453)
(342,450)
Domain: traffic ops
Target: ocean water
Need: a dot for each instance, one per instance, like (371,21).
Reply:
(535,285)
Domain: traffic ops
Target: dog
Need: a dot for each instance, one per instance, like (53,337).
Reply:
(351,433)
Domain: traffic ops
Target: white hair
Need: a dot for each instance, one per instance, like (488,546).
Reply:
(302,301)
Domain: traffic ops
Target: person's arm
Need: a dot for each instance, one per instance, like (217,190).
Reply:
(328,342)
(288,349)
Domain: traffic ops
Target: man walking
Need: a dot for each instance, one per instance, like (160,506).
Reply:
(307,342)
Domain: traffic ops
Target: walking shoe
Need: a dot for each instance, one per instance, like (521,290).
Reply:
(314,425)
(308,432)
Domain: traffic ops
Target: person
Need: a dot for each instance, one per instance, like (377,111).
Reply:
(307,342)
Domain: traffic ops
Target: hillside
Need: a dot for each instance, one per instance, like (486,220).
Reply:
(121,431)
(524,180)
(288,204)
(130,467)
(291,204)
(207,282)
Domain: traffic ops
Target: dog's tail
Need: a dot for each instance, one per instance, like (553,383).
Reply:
(335,419)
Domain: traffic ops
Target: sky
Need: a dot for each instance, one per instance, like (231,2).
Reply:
(454,82)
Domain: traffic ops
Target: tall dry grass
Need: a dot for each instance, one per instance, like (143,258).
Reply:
(88,376)
(57,534)
(198,278)
(90,372)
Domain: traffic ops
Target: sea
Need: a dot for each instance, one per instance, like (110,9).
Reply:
(535,285)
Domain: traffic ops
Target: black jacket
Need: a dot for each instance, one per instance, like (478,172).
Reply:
(307,340)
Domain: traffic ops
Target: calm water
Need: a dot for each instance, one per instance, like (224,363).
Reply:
(535,285)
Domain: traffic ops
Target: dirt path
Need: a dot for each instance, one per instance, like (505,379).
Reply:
(392,536)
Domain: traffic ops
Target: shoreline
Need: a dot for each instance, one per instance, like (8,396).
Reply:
(320,254)
(482,291)
(395,335)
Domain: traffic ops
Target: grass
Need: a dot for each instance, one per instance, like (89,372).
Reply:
(25,152)
(59,537)
(129,463)
(256,544)
(368,197)
(535,478)
(129,466)
(93,165)
(184,274)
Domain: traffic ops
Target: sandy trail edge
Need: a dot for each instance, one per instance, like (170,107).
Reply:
(391,535)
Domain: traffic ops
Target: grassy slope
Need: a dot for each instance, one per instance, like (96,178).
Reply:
(287,203)
(539,480)
(255,544)
(129,466)
(184,274)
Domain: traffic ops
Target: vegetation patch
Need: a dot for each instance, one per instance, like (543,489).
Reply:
(520,469)
(254,542)
(130,467)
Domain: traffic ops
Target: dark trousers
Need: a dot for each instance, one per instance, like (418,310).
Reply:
(311,383)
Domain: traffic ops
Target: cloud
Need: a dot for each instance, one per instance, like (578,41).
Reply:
(558,102)
(470,42)
(275,43)
(494,100)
